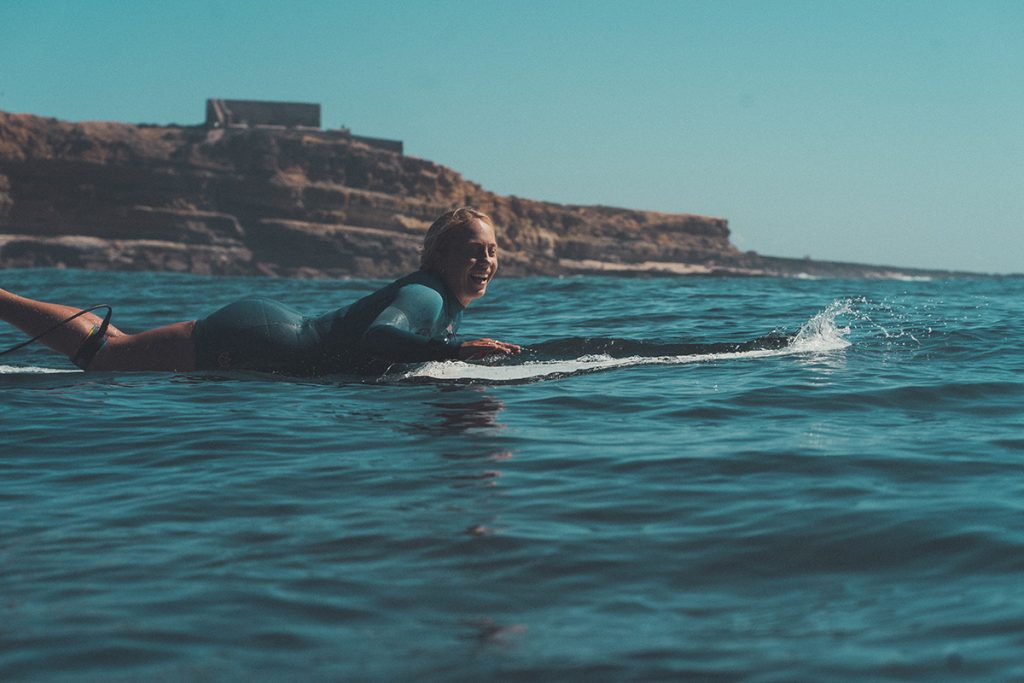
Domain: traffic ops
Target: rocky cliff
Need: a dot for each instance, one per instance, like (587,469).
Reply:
(308,203)
(291,202)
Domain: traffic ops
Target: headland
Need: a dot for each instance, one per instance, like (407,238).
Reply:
(261,188)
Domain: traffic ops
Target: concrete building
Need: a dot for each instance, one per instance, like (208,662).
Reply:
(264,114)
(250,113)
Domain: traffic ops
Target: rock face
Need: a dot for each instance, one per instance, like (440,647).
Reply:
(312,203)
(291,202)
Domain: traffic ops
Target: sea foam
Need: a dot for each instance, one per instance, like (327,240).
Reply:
(32,370)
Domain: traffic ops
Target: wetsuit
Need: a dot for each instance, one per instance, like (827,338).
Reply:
(411,320)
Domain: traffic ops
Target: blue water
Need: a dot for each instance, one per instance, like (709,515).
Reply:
(848,508)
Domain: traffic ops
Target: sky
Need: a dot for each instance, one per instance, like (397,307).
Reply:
(875,132)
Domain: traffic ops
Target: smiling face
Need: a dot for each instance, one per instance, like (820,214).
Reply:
(469,260)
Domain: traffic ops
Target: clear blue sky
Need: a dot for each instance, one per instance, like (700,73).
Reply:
(880,132)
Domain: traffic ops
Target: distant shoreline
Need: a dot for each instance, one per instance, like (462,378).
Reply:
(304,202)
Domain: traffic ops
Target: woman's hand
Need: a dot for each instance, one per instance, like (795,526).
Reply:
(481,348)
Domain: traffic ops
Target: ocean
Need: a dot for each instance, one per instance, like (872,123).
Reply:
(847,507)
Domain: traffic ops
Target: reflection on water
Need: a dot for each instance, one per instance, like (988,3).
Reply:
(824,365)
(461,426)
(486,632)
(459,410)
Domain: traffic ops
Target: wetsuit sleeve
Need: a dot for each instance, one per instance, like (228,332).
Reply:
(402,331)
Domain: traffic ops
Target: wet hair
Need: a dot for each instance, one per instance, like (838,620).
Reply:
(436,240)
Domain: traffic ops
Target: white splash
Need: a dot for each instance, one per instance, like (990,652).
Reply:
(820,334)
(32,370)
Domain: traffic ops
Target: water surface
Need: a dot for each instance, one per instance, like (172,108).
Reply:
(846,508)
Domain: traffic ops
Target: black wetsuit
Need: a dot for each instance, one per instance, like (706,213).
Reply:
(411,320)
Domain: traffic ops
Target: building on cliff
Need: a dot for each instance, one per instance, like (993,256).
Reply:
(222,113)
(257,113)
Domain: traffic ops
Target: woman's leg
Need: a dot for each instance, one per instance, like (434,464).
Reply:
(164,348)
(167,348)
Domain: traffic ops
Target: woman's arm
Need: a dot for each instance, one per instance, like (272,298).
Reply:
(401,333)
(392,342)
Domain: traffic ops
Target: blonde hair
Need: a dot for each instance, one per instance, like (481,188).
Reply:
(436,239)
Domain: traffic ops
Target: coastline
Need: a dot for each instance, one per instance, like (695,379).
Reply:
(302,202)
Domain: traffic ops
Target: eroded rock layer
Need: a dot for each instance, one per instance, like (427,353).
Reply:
(292,202)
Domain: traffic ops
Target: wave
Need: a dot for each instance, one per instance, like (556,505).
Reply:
(820,334)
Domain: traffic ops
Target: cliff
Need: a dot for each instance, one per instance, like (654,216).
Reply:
(289,202)
(294,202)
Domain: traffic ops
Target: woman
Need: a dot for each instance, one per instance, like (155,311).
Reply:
(413,319)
